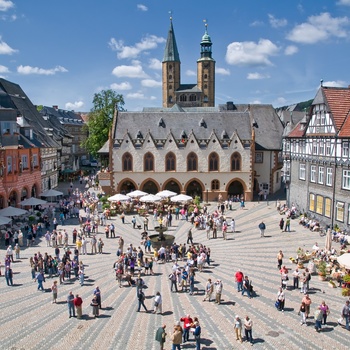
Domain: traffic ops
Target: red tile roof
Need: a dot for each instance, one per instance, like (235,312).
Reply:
(338,100)
(298,131)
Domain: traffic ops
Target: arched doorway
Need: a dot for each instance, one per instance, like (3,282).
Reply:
(127,186)
(34,192)
(172,186)
(235,189)
(24,194)
(2,202)
(194,189)
(150,187)
(13,198)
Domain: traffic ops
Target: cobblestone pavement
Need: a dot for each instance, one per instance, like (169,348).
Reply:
(30,321)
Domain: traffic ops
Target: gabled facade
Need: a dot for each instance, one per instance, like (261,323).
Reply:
(34,129)
(316,159)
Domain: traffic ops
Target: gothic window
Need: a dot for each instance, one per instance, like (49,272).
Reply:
(213,162)
(205,76)
(215,185)
(205,86)
(170,77)
(170,67)
(183,98)
(193,98)
(192,162)
(235,162)
(170,162)
(170,87)
(170,99)
(205,98)
(148,162)
(127,162)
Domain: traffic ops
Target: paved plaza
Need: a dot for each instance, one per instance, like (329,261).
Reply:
(30,321)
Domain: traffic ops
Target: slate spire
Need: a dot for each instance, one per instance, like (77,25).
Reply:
(171,54)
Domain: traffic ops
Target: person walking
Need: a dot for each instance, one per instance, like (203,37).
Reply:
(238,328)
(307,302)
(287,226)
(296,276)
(262,228)
(158,303)
(346,314)
(218,291)
(9,276)
(279,259)
(248,329)
(161,336)
(281,224)
(325,311)
(70,303)
(176,337)
(54,290)
(246,287)
(191,281)
(318,319)
(95,308)
(173,278)
(78,303)
(239,280)
(197,334)
(281,299)
(209,289)
(302,311)
(40,278)
(190,237)
(187,320)
(97,293)
(141,298)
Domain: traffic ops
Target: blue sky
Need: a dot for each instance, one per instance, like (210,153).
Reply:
(266,51)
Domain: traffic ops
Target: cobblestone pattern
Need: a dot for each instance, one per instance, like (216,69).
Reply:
(30,321)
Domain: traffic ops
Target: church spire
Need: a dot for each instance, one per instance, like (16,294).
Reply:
(171,54)
(206,43)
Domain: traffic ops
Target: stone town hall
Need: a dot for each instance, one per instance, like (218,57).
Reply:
(191,146)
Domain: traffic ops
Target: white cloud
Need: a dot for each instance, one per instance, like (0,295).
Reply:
(276,23)
(222,71)
(290,50)
(191,73)
(136,95)
(147,43)
(26,70)
(6,5)
(344,2)
(154,63)
(152,98)
(6,49)
(72,106)
(133,71)
(256,24)
(255,102)
(336,83)
(125,85)
(151,83)
(280,101)
(142,7)
(249,53)
(257,76)
(318,28)
(4,69)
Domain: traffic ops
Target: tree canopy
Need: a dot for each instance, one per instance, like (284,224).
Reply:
(100,119)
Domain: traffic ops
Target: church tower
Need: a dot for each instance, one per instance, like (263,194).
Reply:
(170,69)
(206,71)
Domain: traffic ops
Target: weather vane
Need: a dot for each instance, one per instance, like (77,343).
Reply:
(205,23)
(171,14)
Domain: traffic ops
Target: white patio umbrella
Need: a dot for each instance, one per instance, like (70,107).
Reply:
(51,193)
(32,201)
(150,198)
(119,198)
(4,220)
(181,198)
(137,193)
(344,260)
(12,211)
(166,194)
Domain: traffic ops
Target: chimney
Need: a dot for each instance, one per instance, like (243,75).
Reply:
(55,107)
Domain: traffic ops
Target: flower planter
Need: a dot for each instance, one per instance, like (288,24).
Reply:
(332,285)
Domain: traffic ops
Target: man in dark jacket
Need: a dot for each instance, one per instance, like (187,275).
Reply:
(160,336)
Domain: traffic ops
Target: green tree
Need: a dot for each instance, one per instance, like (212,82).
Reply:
(100,119)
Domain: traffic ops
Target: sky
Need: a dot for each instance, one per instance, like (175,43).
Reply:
(62,52)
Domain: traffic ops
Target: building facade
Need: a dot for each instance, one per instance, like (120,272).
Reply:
(316,159)
(194,148)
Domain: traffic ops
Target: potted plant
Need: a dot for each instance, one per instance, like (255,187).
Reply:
(345,292)
(322,270)
(332,284)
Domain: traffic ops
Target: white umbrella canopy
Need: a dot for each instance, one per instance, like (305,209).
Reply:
(119,198)
(4,220)
(137,193)
(51,193)
(12,211)
(181,198)
(150,198)
(32,201)
(166,194)
(344,260)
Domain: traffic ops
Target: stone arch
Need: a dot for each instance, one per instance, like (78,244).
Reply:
(35,190)
(194,187)
(13,199)
(2,201)
(236,187)
(150,186)
(125,186)
(172,185)
(24,193)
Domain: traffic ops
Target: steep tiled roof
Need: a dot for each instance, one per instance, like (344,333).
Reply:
(298,131)
(338,101)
